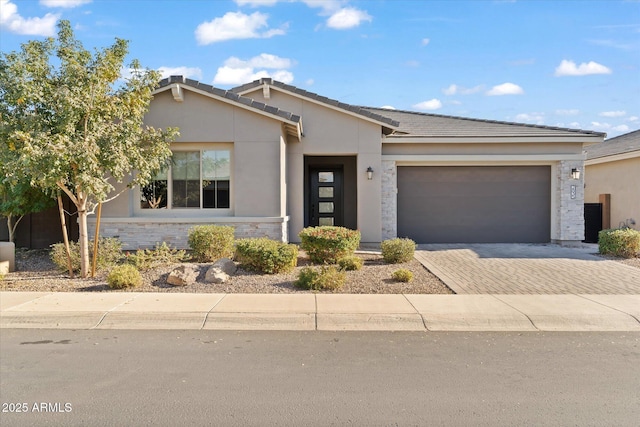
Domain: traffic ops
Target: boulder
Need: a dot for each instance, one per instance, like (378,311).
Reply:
(216,275)
(226,265)
(183,275)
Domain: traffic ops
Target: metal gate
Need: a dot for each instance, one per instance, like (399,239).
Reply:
(592,222)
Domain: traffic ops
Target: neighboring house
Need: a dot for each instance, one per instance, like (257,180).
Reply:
(612,178)
(270,159)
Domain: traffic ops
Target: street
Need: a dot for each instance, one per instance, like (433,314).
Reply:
(226,378)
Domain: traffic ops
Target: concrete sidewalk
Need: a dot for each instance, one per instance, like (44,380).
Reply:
(326,312)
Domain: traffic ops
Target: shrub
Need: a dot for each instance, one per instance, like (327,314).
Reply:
(109,254)
(402,275)
(266,255)
(396,251)
(163,254)
(211,242)
(350,263)
(620,242)
(327,244)
(124,276)
(327,278)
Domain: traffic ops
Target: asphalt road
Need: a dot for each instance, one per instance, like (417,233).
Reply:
(221,378)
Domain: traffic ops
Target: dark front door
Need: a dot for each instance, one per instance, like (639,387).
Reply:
(325,196)
(592,222)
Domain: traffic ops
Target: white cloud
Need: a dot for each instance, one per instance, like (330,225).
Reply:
(433,104)
(569,68)
(573,112)
(11,20)
(388,107)
(309,82)
(425,42)
(459,90)
(347,17)
(621,128)
(505,89)
(235,25)
(633,118)
(256,3)
(67,4)
(190,72)
(236,71)
(537,118)
(601,126)
(613,113)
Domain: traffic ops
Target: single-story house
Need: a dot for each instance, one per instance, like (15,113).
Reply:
(270,159)
(612,180)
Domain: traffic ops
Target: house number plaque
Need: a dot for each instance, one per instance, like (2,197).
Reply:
(573,191)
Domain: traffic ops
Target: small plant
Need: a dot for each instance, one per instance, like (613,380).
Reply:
(109,254)
(395,251)
(211,242)
(328,278)
(402,275)
(163,254)
(124,276)
(350,263)
(327,244)
(266,255)
(620,242)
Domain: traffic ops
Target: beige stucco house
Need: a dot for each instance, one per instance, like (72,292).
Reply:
(270,159)
(612,178)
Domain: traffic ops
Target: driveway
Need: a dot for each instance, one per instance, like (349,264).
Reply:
(527,269)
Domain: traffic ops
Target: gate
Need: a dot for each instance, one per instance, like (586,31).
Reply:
(592,222)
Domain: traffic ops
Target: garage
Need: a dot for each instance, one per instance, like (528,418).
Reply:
(474,204)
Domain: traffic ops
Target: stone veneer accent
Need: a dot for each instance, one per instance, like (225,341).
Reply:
(143,233)
(569,224)
(389,178)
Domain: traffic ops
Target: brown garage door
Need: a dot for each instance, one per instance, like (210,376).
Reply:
(474,204)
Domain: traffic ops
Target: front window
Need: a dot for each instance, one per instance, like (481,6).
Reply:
(195,180)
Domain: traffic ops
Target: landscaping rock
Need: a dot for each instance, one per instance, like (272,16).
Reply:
(183,275)
(216,275)
(226,265)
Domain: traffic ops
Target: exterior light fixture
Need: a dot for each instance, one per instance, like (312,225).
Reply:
(575,173)
(369,173)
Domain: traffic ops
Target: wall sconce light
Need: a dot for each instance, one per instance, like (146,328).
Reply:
(575,173)
(369,173)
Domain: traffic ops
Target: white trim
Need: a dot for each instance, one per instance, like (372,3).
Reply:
(177,93)
(406,159)
(502,139)
(614,158)
(189,220)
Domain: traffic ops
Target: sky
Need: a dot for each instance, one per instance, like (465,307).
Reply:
(566,63)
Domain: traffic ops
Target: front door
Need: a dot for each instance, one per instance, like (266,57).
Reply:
(325,196)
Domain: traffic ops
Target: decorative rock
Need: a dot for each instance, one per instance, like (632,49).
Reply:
(216,275)
(183,275)
(226,265)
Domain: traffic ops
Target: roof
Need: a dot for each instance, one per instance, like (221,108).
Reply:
(622,144)
(415,124)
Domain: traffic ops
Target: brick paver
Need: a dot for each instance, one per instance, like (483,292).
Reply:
(527,269)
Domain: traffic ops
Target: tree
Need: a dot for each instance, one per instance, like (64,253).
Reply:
(21,199)
(71,123)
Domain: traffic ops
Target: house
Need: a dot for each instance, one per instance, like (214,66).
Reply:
(270,159)
(612,180)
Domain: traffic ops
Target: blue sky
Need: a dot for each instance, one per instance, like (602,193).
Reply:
(558,63)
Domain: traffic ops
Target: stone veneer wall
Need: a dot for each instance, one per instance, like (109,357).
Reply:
(570,212)
(389,184)
(137,234)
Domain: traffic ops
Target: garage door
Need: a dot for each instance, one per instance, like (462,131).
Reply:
(474,204)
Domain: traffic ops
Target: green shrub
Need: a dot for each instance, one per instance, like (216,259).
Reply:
(395,251)
(109,254)
(211,242)
(266,255)
(350,263)
(620,242)
(163,254)
(124,276)
(327,244)
(327,278)
(402,275)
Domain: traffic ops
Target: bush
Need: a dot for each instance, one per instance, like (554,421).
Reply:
(620,242)
(211,242)
(402,275)
(163,254)
(395,251)
(327,244)
(327,278)
(266,255)
(124,276)
(109,254)
(350,263)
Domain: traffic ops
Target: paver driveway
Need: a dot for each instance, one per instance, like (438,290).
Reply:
(526,269)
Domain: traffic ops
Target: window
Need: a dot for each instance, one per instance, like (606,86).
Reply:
(195,179)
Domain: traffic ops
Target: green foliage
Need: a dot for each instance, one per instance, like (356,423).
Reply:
(124,276)
(266,255)
(19,198)
(328,278)
(350,263)
(402,275)
(109,254)
(163,254)
(395,251)
(620,242)
(327,244)
(209,243)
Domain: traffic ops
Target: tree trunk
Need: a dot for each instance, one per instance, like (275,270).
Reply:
(84,237)
(65,236)
(12,227)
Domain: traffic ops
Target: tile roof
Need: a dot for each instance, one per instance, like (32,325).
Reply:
(626,143)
